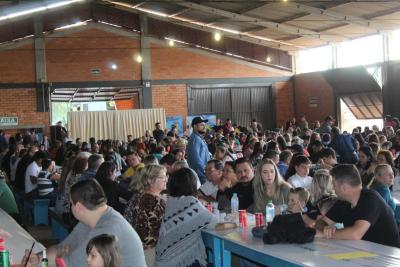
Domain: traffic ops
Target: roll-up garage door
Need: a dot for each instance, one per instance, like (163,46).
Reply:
(241,104)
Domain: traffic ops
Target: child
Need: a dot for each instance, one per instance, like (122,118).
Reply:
(302,168)
(44,182)
(297,201)
(103,251)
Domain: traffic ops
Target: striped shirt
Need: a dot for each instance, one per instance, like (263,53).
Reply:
(44,183)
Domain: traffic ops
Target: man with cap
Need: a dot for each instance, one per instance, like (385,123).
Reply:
(197,149)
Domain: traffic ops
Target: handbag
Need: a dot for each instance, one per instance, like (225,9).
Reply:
(288,228)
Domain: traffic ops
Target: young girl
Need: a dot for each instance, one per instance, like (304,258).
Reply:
(103,251)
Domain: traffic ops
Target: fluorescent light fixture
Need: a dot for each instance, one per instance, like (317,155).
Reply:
(77,24)
(38,9)
(206,25)
(110,24)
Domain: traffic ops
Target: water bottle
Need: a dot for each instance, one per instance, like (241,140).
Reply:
(270,212)
(235,208)
(234,204)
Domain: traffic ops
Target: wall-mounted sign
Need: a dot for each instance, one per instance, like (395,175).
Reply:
(95,72)
(8,121)
(313,102)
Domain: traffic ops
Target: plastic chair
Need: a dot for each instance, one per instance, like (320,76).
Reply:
(41,211)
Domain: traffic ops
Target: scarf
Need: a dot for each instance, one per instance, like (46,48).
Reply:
(180,243)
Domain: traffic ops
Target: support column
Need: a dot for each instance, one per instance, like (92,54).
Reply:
(146,62)
(43,101)
(386,37)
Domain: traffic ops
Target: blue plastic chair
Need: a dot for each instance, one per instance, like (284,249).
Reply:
(41,211)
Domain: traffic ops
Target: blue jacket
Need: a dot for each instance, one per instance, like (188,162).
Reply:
(385,193)
(198,155)
(345,148)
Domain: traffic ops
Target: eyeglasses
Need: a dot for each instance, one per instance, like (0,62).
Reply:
(163,177)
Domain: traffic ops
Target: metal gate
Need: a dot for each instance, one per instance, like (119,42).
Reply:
(241,104)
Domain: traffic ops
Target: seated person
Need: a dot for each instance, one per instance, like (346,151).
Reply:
(326,160)
(145,212)
(364,214)
(299,174)
(45,183)
(133,160)
(383,179)
(229,179)
(7,200)
(284,159)
(180,242)
(89,206)
(209,189)
(103,251)
(268,185)
(297,202)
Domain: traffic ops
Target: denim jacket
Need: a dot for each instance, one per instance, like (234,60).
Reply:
(198,155)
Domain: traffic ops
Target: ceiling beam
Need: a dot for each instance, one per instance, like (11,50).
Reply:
(180,12)
(260,40)
(263,22)
(383,13)
(351,20)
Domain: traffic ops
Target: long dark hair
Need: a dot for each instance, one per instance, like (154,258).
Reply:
(108,248)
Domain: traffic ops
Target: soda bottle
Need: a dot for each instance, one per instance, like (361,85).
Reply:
(4,254)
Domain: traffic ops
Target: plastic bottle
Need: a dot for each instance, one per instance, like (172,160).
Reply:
(4,254)
(234,204)
(270,212)
(45,261)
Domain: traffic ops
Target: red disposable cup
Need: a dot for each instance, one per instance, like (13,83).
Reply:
(210,208)
(242,218)
(259,219)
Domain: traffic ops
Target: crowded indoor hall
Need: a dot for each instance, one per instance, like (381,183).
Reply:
(199,133)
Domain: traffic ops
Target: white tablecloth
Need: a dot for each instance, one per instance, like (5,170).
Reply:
(20,239)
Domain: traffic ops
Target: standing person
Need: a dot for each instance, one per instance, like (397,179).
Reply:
(326,127)
(364,213)
(158,133)
(197,149)
(89,206)
(344,146)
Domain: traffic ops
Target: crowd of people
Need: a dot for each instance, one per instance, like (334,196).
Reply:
(143,200)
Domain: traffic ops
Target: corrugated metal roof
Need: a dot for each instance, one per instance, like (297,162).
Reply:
(317,22)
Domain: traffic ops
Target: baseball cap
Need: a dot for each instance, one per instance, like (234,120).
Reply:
(197,120)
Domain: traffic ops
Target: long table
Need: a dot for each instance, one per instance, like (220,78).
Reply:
(20,239)
(321,252)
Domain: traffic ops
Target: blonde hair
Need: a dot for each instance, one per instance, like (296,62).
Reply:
(150,174)
(321,185)
(280,195)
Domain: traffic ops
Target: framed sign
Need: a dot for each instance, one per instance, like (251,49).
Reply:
(8,121)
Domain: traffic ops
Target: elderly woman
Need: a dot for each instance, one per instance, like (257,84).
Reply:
(180,243)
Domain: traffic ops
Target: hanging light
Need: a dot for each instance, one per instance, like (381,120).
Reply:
(217,36)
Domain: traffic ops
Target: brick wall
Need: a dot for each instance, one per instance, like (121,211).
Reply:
(17,65)
(313,85)
(178,63)
(71,58)
(284,102)
(22,103)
